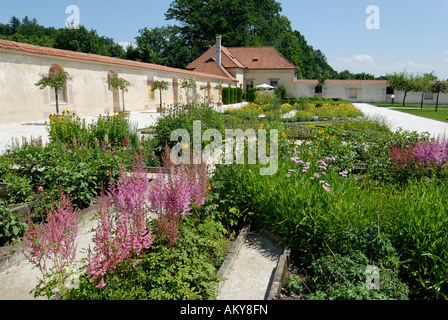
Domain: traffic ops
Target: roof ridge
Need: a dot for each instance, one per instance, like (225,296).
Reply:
(68,54)
(223,70)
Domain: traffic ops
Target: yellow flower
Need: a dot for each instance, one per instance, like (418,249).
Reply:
(185,145)
(311,154)
(210,187)
(283,134)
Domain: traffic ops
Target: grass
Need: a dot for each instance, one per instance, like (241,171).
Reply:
(412,106)
(428,111)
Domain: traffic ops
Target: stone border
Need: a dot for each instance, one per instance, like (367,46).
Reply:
(227,265)
(279,276)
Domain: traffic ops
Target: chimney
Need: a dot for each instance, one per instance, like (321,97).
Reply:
(218,49)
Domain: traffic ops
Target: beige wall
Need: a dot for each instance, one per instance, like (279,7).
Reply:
(285,78)
(367,92)
(87,92)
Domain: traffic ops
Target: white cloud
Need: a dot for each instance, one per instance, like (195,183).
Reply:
(125,44)
(364,58)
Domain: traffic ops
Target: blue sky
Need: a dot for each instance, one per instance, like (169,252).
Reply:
(412,34)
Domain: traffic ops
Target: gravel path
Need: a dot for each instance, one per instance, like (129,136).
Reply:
(396,119)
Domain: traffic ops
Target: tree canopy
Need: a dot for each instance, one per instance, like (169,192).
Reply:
(241,23)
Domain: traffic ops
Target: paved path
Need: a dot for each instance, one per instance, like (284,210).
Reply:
(20,278)
(252,271)
(396,119)
(13,132)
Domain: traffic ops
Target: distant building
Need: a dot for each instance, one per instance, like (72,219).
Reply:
(250,66)
(87,92)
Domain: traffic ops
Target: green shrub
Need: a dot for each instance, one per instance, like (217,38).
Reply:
(10,224)
(183,118)
(251,94)
(337,277)
(187,273)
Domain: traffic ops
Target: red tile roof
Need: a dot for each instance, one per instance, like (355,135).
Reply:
(28,48)
(228,60)
(212,67)
(246,58)
(261,58)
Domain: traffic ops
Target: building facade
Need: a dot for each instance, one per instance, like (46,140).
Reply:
(87,91)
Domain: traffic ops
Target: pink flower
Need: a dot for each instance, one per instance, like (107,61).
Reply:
(136,262)
(102,284)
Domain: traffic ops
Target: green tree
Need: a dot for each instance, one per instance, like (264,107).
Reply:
(439,87)
(163,46)
(205,88)
(119,84)
(422,83)
(244,23)
(83,40)
(188,84)
(57,82)
(401,81)
(160,85)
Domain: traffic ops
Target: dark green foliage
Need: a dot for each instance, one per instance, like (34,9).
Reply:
(188,272)
(183,118)
(80,40)
(251,94)
(226,95)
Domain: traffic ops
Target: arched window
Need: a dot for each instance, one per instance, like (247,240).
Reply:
(112,74)
(62,95)
(149,82)
(175,91)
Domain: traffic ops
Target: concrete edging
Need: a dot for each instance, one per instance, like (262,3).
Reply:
(279,275)
(228,263)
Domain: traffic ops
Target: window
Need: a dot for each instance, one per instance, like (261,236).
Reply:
(429,96)
(149,91)
(353,93)
(389,90)
(274,83)
(318,89)
(249,84)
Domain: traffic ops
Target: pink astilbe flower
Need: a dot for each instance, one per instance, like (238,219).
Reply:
(131,190)
(434,152)
(35,244)
(122,231)
(54,241)
(402,156)
(61,231)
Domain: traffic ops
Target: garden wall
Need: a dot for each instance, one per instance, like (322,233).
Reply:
(367,91)
(87,92)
